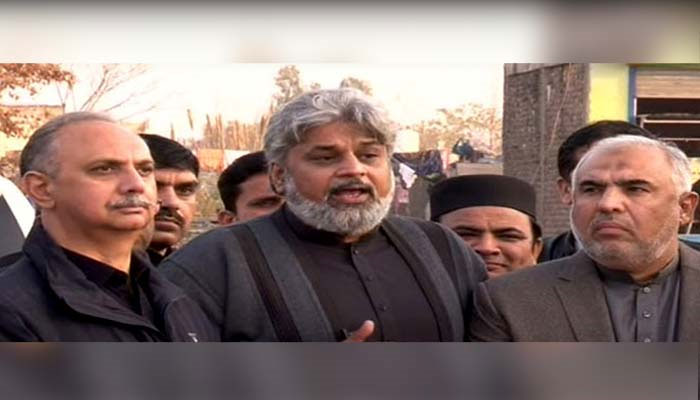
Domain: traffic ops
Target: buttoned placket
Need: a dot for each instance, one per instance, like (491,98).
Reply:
(375,291)
(647,300)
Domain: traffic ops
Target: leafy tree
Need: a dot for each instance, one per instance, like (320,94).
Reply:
(359,84)
(20,80)
(290,85)
(482,126)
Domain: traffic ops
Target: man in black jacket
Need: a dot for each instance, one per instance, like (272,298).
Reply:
(177,181)
(78,279)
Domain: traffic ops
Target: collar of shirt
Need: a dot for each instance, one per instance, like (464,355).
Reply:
(608,274)
(104,274)
(318,236)
(156,257)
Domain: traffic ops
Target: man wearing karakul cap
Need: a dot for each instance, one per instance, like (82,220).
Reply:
(494,214)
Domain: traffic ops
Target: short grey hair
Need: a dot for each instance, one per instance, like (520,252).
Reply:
(680,165)
(39,152)
(320,107)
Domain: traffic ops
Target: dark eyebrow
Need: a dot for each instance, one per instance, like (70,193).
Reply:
(193,183)
(467,228)
(509,230)
(591,182)
(107,161)
(328,147)
(634,182)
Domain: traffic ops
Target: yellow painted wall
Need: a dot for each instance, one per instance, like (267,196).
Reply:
(608,96)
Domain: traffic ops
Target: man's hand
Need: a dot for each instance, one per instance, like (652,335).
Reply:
(361,334)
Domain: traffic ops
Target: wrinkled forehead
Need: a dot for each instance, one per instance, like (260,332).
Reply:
(331,132)
(628,159)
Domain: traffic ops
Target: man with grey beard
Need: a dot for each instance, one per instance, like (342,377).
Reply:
(632,281)
(330,265)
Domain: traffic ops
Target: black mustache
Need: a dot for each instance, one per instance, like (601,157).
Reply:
(170,214)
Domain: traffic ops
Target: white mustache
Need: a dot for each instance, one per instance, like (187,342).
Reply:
(131,202)
(353,184)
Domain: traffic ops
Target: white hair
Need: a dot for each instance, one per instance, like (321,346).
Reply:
(316,108)
(353,220)
(680,165)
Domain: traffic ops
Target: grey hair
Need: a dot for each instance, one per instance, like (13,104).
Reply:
(680,165)
(39,152)
(320,107)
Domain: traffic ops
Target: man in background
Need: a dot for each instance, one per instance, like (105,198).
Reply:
(176,176)
(568,156)
(244,187)
(494,214)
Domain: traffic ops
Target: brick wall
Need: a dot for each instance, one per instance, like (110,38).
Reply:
(541,107)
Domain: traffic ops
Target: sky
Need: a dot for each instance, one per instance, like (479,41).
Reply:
(242,91)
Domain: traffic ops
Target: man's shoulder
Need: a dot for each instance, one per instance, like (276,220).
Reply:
(21,268)
(20,281)
(9,259)
(558,246)
(216,237)
(429,227)
(690,254)
(213,248)
(222,234)
(539,275)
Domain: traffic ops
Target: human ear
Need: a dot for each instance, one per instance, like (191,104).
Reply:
(564,189)
(688,202)
(226,217)
(39,187)
(277,178)
(537,248)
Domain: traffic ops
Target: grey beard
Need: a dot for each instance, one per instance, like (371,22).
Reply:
(353,220)
(642,254)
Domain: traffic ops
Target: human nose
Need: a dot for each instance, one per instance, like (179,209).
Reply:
(486,245)
(611,200)
(352,166)
(167,197)
(133,182)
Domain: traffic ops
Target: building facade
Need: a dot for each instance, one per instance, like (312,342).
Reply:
(545,103)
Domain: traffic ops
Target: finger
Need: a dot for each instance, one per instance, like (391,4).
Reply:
(363,333)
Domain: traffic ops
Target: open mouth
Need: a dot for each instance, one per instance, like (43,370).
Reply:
(351,194)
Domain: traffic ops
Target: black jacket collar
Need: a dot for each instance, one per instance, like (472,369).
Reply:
(69,283)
